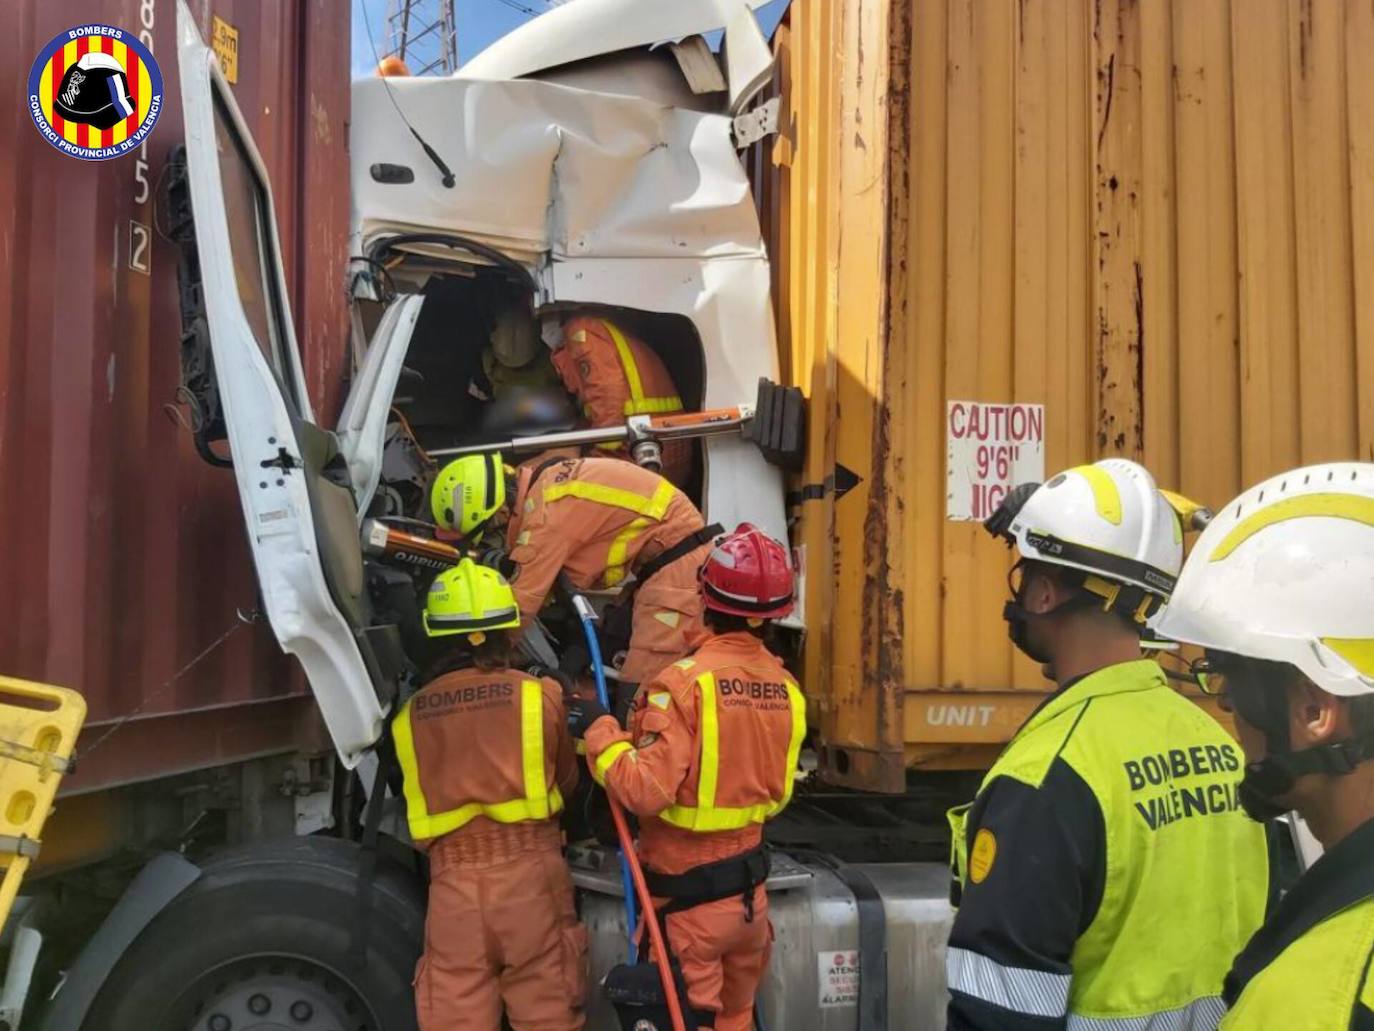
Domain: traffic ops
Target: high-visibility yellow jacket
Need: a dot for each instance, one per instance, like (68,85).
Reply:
(1105,873)
(1312,964)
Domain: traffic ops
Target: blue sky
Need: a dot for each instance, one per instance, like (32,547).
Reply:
(480,22)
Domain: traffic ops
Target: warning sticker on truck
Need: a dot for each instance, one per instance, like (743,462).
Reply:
(992,448)
(838,978)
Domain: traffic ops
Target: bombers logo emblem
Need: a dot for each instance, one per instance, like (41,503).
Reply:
(95,92)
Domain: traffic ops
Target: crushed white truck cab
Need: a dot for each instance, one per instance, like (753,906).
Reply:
(472,193)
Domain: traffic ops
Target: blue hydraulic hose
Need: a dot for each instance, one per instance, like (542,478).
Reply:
(586,615)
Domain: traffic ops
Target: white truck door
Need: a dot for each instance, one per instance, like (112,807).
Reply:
(293,480)
(362,425)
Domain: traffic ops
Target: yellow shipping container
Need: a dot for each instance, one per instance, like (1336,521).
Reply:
(1153,218)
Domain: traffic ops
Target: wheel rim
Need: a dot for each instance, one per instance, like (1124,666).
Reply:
(273,993)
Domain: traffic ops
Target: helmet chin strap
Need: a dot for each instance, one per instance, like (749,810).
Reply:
(1270,778)
(1274,775)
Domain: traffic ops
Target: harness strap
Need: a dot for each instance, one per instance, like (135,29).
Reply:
(616,625)
(738,875)
(681,549)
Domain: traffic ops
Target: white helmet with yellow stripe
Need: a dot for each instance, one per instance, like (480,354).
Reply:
(1110,521)
(1285,573)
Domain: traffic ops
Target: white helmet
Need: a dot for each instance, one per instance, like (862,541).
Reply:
(1286,573)
(1107,519)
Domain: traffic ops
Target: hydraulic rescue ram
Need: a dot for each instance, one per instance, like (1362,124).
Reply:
(387,542)
(775,422)
(642,434)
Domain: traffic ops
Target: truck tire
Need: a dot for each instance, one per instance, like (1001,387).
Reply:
(261,942)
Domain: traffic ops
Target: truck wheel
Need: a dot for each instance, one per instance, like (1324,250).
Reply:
(261,943)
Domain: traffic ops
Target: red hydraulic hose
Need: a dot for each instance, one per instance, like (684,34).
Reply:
(646,902)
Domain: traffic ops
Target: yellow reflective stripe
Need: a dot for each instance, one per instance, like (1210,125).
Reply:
(696,818)
(706,816)
(663,497)
(1105,495)
(540,802)
(1330,506)
(710,743)
(518,810)
(532,746)
(403,737)
(627,360)
(798,703)
(607,759)
(620,547)
(638,404)
(649,510)
(653,507)
(653,406)
(1357,651)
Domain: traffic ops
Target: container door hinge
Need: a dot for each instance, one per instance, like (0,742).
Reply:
(756,123)
(839,483)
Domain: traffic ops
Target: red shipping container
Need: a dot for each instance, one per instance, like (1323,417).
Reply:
(123,556)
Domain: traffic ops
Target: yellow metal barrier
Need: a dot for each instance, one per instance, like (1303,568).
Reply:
(38,728)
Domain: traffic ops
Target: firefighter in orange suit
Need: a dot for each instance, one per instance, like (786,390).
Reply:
(487,759)
(710,755)
(614,375)
(600,521)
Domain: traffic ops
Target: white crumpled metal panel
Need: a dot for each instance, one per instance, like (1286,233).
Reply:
(590,28)
(543,168)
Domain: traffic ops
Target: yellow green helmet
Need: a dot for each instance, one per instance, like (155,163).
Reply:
(468,491)
(469,599)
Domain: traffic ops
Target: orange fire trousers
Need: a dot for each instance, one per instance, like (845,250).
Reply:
(723,956)
(501,934)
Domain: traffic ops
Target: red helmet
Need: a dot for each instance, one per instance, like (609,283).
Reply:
(748,574)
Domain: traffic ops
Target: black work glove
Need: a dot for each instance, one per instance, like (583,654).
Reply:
(582,713)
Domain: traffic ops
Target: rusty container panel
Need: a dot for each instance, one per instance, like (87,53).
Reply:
(1150,216)
(123,560)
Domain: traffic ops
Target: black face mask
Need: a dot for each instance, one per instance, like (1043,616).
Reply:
(1274,776)
(1262,782)
(1018,629)
(1019,618)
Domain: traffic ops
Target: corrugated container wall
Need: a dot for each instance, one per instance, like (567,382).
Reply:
(123,556)
(1154,218)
